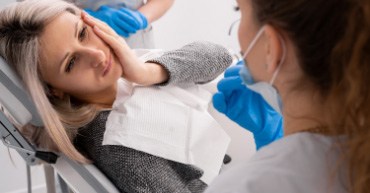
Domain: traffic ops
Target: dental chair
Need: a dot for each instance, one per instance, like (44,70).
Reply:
(16,106)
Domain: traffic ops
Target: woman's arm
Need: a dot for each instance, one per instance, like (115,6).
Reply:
(198,62)
(154,9)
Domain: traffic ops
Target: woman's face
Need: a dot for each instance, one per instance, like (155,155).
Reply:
(248,28)
(75,61)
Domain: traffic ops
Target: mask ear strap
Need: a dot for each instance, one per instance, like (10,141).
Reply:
(281,61)
(254,41)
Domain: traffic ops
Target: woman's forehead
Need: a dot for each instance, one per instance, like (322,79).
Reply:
(56,37)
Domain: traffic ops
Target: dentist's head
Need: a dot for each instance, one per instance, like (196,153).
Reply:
(308,32)
(313,52)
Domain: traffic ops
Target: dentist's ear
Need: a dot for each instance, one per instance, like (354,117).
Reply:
(274,48)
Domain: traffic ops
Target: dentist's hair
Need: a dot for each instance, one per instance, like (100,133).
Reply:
(332,40)
(21,25)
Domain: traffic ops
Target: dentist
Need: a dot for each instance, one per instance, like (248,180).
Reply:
(309,59)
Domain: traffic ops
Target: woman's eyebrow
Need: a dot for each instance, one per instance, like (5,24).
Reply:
(66,55)
(76,28)
(62,62)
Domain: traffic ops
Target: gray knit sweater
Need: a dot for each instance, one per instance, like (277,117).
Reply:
(134,171)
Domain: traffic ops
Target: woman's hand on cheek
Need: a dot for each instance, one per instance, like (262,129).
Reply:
(133,68)
(91,21)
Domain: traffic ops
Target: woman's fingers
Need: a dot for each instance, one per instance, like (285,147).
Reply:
(117,43)
(133,68)
(91,21)
(113,41)
(106,33)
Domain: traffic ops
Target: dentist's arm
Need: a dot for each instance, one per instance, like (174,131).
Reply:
(154,9)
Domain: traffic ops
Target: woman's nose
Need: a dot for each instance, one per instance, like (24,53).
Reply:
(95,56)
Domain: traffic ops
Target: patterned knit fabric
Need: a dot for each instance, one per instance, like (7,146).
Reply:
(134,171)
(198,62)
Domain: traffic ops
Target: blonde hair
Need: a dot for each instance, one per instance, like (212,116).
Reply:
(21,25)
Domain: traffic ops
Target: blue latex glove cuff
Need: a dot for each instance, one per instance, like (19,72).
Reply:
(141,20)
(269,133)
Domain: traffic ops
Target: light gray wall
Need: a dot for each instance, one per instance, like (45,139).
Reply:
(4,2)
(186,21)
(191,20)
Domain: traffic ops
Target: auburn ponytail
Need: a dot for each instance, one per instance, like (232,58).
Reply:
(350,94)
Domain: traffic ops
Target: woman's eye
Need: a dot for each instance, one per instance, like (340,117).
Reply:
(236,8)
(82,34)
(70,64)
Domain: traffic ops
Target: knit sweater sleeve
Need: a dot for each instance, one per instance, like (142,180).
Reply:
(134,171)
(198,62)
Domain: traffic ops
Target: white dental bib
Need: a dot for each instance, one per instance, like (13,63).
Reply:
(171,122)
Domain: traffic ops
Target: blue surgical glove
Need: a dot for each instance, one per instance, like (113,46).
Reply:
(140,19)
(124,21)
(247,108)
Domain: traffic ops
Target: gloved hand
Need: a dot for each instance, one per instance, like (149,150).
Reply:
(247,108)
(124,21)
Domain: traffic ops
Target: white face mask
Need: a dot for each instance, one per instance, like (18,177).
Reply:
(266,90)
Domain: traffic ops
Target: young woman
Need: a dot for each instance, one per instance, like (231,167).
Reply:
(70,64)
(316,54)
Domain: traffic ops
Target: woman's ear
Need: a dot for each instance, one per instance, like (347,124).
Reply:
(56,93)
(274,48)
